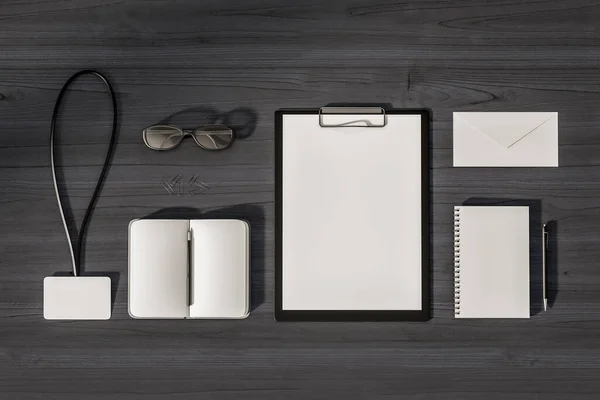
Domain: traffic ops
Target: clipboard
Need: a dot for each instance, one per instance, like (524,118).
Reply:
(352,214)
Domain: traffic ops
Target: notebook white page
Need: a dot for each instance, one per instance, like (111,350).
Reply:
(352,215)
(158,268)
(492,262)
(219,269)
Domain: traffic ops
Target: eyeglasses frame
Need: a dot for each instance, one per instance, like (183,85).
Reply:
(187,132)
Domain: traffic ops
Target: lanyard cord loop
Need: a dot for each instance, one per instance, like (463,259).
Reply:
(76,249)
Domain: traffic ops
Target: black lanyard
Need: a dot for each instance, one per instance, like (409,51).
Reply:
(76,249)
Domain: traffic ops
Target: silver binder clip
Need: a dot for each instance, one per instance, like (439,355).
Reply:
(338,117)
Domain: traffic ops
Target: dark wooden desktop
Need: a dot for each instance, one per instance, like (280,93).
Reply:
(193,62)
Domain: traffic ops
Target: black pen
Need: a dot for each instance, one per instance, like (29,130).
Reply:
(544,251)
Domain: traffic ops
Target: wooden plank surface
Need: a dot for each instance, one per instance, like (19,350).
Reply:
(191,62)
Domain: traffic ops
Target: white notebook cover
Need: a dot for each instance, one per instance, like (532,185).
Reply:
(491,265)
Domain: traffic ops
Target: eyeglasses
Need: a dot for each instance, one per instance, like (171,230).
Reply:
(208,137)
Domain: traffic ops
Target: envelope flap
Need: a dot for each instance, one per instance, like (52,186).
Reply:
(508,128)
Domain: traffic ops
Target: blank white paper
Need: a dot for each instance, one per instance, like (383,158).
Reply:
(220,269)
(158,268)
(352,215)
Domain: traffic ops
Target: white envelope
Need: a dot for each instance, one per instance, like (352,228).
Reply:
(505,139)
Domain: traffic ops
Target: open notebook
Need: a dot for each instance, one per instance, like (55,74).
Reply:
(188,269)
(491,262)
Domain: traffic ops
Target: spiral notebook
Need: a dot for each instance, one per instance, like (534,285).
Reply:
(491,262)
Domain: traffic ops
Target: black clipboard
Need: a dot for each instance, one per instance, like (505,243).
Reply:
(380,116)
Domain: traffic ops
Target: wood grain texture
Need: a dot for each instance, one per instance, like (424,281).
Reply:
(190,62)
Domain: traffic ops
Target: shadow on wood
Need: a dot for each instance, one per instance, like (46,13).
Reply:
(552,263)
(242,120)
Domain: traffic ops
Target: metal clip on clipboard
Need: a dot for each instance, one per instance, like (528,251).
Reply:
(340,117)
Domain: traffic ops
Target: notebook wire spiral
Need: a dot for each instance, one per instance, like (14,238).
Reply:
(456,261)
